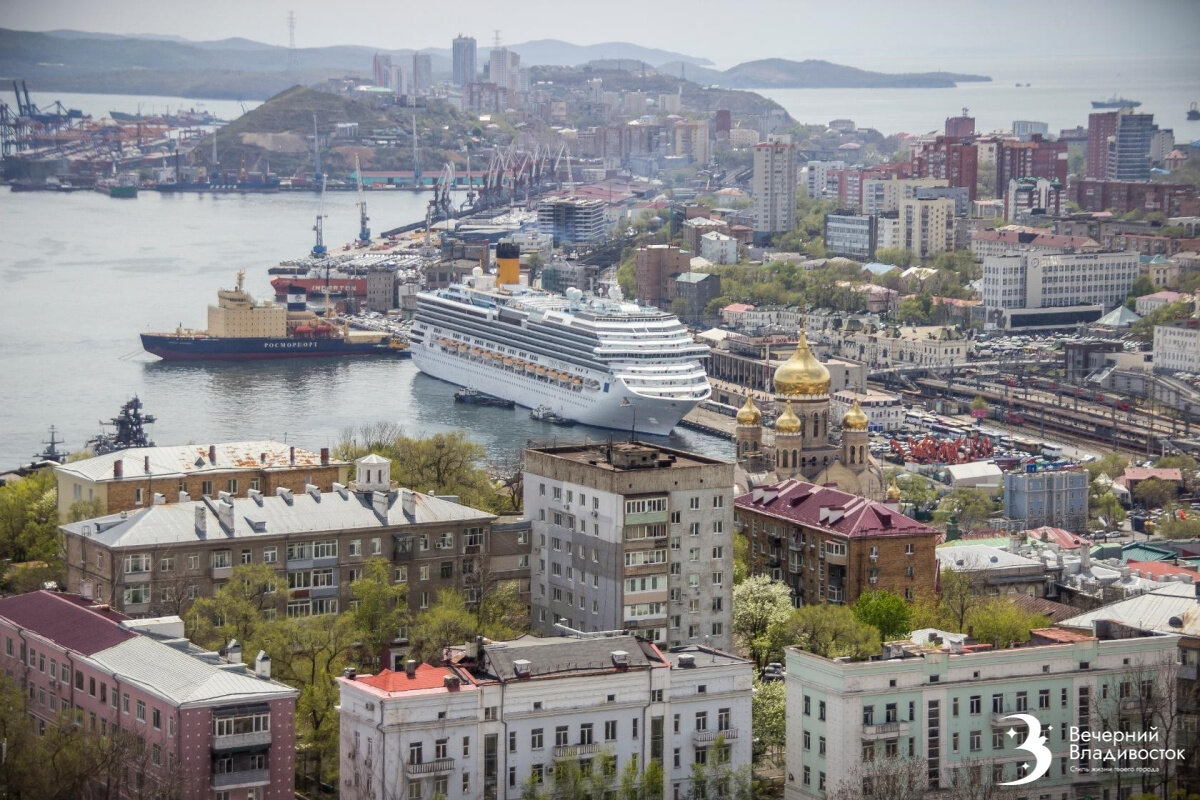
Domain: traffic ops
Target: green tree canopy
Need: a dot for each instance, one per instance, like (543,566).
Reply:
(885,611)
(832,631)
(381,608)
(1110,464)
(1154,493)
(769,718)
(761,606)
(447,622)
(29,518)
(972,507)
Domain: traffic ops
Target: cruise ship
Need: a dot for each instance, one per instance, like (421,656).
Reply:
(600,361)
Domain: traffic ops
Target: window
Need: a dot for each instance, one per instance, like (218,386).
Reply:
(136,595)
(976,741)
(424,572)
(535,739)
(326,549)
(585,733)
(701,720)
(222,559)
(821,710)
(356,547)
(166,564)
(247,557)
(156,719)
(976,703)
(141,711)
(193,561)
(401,574)
(466,746)
(270,555)
(561,736)
(139,562)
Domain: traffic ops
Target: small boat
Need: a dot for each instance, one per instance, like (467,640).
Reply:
(547,414)
(477,398)
(1193,113)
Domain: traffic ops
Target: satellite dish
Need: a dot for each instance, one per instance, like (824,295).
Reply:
(1175,622)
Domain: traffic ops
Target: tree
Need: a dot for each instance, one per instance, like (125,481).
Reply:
(741,558)
(447,622)
(884,610)
(1180,524)
(896,256)
(895,778)
(978,403)
(1002,623)
(760,607)
(911,311)
(29,518)
(1110,464)
(972,507)
(832,631)
(1108,508)
(1142,286)
(500,613)
(239,610)
(1154,493)
(85,509)
(768,707)
(641,784)
(381,608)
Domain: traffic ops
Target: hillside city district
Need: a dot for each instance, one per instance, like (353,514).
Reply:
(952,549)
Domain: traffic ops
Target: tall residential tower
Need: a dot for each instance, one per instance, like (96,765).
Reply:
(464,60)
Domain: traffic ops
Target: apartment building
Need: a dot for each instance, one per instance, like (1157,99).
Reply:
(934,713)
(850,235)
(657,264)
(882,195)
(498,718)
(125,480)
(573,219)
(630,536)
(876,345)
(1177,345)
(927,225)
(1057,498)
(830,546)
(1012,238)
(884,410)
(774,186)
(156,560)
(209,730)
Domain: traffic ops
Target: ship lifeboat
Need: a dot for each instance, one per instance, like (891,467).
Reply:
(577,381)
(476,351)
(531,367)
(541,370)
(508,362)
(324,330)
(305,329)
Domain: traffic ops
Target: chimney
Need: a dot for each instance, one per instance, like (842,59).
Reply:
(349,673)
(184,497)
(410,668)
(379,501)
(201,519)
(522,668)
(262,665)
(1198,592)
(118,469)
(292,455)
(233,652)
(324,456)
(159,499)
(408,500)
(479,641)
(262,458)
(212,454)
(146,465)
(341,490)
(687,661)
(1085,558)
(620,659)
(255,495)
(451,683)
(313,490)
(225,514)
(285,493)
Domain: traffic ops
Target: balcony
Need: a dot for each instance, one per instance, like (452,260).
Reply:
(568,750)
(999,721)
(1187,672)
(840,559)
(222,573)
(884,730)
(439,766)
(237,741)
(241,779)
(713,735)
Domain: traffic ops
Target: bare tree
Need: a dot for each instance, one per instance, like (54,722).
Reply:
(893,778)
(508,471)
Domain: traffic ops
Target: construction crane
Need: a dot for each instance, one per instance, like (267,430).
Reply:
(319,250)
(318,178)
(364,233)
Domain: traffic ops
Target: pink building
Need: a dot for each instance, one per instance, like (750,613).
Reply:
(214,728)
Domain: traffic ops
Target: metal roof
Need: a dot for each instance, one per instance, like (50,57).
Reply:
(69,621)
(561,656)
(1152,611)
(182,678)
(969,557)
(192,459)
(175,523)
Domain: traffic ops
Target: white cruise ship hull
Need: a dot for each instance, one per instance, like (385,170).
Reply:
(613,407)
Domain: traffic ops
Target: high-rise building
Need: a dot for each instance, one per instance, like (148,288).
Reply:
(960,127)
(1101,126)
(1036,158)
(573,219)
(631,536)
(1057,498)
(927,226)
(463,54)
(656,265)
(1129,147)
(381,69)
(422,73)
(955,160)
(1031,289)
(821,177)
(850,235)
(774,186)
(504,69)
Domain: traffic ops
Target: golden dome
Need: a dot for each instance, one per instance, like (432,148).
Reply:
(787,422)
(893,492)
(749,413)
(802,373)
(855,419)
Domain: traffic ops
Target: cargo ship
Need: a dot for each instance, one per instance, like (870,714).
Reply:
(1116,102)
(239,328)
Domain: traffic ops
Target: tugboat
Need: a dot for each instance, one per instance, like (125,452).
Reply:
(1193,113)
(130,430)
(547,414)
(475,397)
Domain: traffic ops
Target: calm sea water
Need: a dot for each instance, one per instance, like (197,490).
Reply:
(84,274)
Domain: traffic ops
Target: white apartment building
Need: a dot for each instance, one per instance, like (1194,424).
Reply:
(934,713)
(817,176)
(719,248)
(927,225)
(876,346)
(1177,345)
(629,536)
(884,411)
(882,195)
(502,715)
(1018,283)
(774,185)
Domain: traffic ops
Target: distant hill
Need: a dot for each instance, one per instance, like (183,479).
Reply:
(556,52)
(781,73)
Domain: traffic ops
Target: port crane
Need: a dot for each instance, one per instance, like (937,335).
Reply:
(364,233)
(319,250)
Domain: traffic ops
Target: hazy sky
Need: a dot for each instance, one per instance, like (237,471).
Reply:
(925,33)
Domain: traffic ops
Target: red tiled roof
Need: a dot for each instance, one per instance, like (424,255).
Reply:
(426,677)
(1064,539)
(1061,635)
(1161,569)
(828,509)
(67,620)
(1144,473)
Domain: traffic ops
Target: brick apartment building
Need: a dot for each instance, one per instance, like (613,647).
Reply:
(156,560)
(657,264)
(830,546)
(209,730)
(125,480)
(948,158)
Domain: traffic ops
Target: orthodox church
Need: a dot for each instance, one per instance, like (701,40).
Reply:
(803,446)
